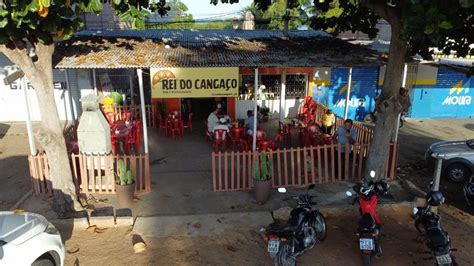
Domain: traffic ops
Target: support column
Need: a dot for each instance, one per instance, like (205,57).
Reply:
(348,94)
(254,140)
(94,80)
(283,95)
(130,80)
(29,127)
(142,104)
(71,102)
(397,123)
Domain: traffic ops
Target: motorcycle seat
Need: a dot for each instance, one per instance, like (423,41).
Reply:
(367,223)
(437,237)
(284,228)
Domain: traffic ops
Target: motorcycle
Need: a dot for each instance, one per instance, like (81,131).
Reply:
(428,224)
(306,227)
(372,118)
(469,191)
(369,224)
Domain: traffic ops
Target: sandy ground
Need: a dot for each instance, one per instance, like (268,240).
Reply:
(401,245)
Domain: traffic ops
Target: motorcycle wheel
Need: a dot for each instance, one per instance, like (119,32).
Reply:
(284,257)
(366,259)
(319,225)
(369,118)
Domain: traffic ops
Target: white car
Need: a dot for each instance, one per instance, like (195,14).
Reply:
(29,239)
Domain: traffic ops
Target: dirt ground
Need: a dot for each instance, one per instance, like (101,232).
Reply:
(401,245)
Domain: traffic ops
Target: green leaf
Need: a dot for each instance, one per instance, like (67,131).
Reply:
(3,12)
(33,6)
(139,24)
(446,25)
(3,23)
(46,3)
(117,2)
(97,6)
(429,29)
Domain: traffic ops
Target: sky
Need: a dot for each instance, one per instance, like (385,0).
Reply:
(203,9)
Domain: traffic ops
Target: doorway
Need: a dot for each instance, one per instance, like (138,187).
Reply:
(201,107)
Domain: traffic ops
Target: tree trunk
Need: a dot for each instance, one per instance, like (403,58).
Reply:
(50,136)
(389,104)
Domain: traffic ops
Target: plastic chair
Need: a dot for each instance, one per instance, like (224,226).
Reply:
(220,139)
(134,139)
(265,145)
(189,124)
(127,116)
(285,131)
(278,141)
(175,128)
(162,125)
(110,117)
(236,136)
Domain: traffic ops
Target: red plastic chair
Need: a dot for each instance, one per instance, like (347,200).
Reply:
(265,145)
(127,116)
(236,136)
(189,124)
(162,125)
(220,139)
(110,116)
(175,128)
(285,131)
(278,141)
(134,139)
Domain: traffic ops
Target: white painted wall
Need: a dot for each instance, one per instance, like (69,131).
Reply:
(12,103)
(291,107)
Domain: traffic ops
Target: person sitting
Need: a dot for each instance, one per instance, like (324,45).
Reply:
(222,124)
(212,120)
(346,134)
(328,121)
(250,123)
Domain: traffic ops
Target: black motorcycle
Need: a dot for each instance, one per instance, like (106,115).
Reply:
(469,191)
(428,224)
(372,118)
(305,228)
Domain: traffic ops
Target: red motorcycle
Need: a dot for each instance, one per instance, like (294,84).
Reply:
(369,223)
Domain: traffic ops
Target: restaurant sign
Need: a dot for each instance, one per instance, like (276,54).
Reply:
(194,82)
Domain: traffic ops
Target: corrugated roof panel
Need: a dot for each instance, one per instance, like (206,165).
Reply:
(213,48)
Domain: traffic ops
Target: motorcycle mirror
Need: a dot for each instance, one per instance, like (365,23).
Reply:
(372,173)
(312,186)
(348,193)
(282,190)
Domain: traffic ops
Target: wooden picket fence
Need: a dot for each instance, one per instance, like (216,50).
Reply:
(136,108)
(91,173)
(39,172)
(296,167)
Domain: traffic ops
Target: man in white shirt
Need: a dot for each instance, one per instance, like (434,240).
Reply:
(212,120)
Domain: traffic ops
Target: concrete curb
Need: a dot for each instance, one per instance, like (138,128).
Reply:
(20,201)
(411,188)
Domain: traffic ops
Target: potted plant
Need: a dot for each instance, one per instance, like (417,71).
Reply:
(125,186)
(264,111)
(262,178)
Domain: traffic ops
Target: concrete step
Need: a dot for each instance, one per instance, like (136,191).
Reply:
(200,225)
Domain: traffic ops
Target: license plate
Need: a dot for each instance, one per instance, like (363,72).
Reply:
(366,244)
(444,259)
(273,245)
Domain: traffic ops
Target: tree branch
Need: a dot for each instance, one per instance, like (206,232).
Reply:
(19,57)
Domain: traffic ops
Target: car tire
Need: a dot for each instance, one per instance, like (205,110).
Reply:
(43,262)
(457,172)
